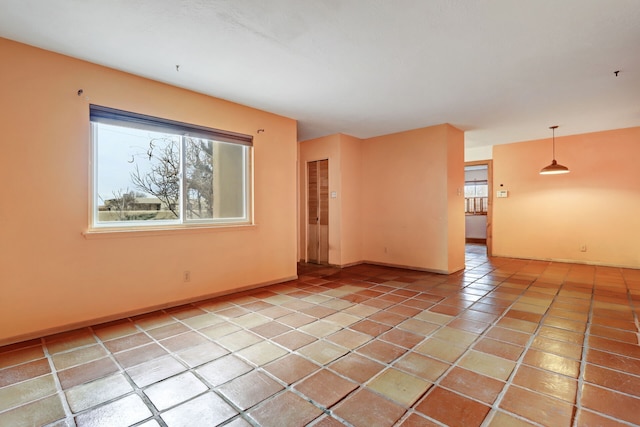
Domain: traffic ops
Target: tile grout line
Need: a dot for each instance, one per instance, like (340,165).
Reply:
(583,357)
(630,300)
(519,362)
(17,383)
(210,388)
(361,385)
(136,390)
(242,414)
(260,368)
(502,316)
(469,348)
(60,391)
(494,406)
(453,364)
(390,365)
(387,365)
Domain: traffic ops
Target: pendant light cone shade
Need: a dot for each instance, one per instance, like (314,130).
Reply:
(554,168)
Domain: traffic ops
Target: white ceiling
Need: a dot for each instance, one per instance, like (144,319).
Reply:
(502,70)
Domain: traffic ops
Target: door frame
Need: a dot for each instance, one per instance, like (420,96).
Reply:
(306,205)
(489,164)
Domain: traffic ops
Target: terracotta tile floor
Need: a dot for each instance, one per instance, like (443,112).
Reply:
(504,343)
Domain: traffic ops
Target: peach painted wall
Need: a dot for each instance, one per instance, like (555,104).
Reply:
(53,277)
(412,211)
(402,192)
(455,199)
(550,217)
(344,155)
(351,199)
(320,149)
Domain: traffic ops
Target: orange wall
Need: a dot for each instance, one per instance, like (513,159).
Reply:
(312,150)
(344,155)
(411,204)
(351,199)
(399,192)
(455,199)
(54,277)
(550,217)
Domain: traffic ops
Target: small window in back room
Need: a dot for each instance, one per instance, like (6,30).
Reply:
(149,171)
(476,197)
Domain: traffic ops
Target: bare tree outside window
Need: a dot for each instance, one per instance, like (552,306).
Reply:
(199,177)
(162,176)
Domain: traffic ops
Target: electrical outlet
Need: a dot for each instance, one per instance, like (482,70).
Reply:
(583,248)
(186,276)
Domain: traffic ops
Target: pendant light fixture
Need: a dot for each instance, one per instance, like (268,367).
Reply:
(554,168)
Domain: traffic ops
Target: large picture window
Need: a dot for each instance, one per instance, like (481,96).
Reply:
(149,171)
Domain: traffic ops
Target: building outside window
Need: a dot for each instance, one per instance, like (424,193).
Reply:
(155,172)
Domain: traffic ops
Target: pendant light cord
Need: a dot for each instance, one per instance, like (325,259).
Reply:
(553,129)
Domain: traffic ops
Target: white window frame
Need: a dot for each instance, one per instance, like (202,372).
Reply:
(105,115)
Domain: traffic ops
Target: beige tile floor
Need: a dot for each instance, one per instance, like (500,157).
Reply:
(504,343)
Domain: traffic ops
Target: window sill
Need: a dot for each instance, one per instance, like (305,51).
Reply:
(118,233)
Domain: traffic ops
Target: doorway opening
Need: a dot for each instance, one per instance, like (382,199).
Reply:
(478,202)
